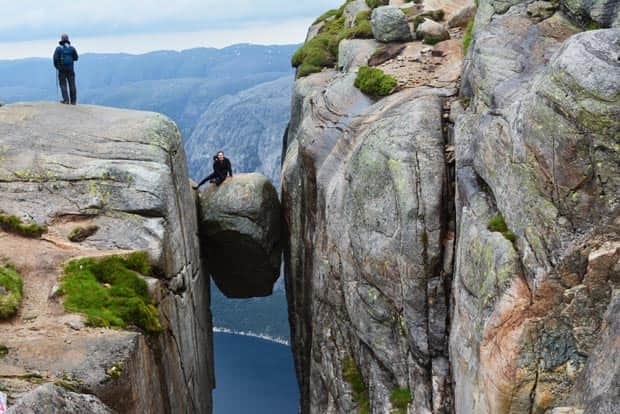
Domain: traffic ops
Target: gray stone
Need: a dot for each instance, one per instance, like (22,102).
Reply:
(541,9)
(606,13)
(431,31)
(240,227)
(463,16)
(314,30)
(352,9)
(50,399)
(76,325)
(389,24)
(354,53)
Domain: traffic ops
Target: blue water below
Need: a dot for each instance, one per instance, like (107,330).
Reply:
(253,376)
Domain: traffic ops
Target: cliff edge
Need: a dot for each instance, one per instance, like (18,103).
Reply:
(105,187)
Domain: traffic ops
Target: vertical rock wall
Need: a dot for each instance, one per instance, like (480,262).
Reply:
(125,172)
(374,291)
(365,201)
(537,146)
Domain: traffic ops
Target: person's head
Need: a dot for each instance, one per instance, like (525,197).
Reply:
(64,37)
(220,155)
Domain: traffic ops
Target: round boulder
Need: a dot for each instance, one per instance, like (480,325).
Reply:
(240,235)
(432,32)
(389,24)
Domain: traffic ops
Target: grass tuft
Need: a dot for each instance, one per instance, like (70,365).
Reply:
(4,350)
(373,4)
(13,283)
(352,375)
(467,35)
(497,224)
(373,81)
(400,399)
(13,224)
(125,302)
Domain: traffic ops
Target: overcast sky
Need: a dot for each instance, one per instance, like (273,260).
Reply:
(31,27)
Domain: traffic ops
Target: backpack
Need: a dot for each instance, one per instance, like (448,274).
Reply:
(66,56)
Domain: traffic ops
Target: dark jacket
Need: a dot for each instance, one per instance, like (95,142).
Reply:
(60,50)
(222,168)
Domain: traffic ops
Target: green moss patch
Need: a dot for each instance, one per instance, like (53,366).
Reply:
(497,224)
(13,224)
(400,399)
(361,29)
(110,292)
(467,35)
(373,81)
(373,4)
(322,50)
(4,350)
(79,234)
(13,286)
(353,377)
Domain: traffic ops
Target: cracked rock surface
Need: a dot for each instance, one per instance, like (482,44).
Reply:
(539,146)
(396,279)
(124,172)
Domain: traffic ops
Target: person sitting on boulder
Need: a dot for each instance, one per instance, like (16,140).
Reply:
(221,170)
(64,56)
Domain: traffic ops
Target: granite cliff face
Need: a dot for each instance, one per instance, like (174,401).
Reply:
(454,247)
(124,172)
(538,146)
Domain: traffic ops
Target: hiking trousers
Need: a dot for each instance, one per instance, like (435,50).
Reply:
(214,176)
(67,78)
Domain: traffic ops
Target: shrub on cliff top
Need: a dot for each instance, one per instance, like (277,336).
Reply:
(322,50)
(13,224)
(373,81)
(13,285)
(109,291)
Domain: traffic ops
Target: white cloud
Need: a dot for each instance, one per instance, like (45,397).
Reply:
(36,19)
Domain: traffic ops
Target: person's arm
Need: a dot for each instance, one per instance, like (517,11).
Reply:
(75,54)
(229,168)
(56,58)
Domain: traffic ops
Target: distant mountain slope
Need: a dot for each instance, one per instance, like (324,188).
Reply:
(247,126)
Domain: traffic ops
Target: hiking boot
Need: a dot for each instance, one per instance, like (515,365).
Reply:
(64,102)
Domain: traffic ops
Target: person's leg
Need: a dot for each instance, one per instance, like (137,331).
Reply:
(219,180)
(62,80)
(72,92)
(209,177)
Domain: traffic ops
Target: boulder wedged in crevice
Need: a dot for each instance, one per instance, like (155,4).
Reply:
(240,234)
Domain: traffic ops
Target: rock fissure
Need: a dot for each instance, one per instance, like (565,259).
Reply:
(485,197)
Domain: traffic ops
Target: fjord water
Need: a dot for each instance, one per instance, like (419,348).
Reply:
(253,375)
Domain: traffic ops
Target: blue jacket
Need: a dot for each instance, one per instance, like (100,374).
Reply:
(58,64)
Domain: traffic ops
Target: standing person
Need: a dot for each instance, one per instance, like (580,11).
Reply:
(221,169)
(64,56)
